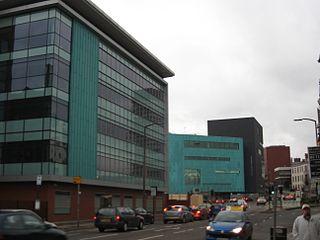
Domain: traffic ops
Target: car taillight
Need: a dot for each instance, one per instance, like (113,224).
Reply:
(165,209)
(180,210)
(94,217)
(198,212)
(118,218)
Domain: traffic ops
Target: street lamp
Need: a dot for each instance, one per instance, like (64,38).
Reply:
(311,120)
(144,163)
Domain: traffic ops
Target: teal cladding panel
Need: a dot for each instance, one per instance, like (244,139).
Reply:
(83,103)
(217,175)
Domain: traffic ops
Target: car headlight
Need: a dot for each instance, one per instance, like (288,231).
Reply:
(237,230)
(210,228)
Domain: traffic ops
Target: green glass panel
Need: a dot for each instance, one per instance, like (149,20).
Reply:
(35,93)
(46,123)
(5,22)
(14,126)
(13,169)
(32,168)
(52,13)
(16,95)
(29,136)
(22,19)
(37,51)
(3,96)
(33,124)
(5,56)
(39,15)
(14,137)
(20,54)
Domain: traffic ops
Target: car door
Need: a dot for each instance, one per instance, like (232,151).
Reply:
(34,227)
(12,227)
(132,217)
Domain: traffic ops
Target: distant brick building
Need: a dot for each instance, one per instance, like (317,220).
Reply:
(275,156)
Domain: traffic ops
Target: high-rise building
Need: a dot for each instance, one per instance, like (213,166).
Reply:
(79,97)
(252,133)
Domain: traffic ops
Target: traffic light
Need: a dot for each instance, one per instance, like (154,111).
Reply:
(271,190)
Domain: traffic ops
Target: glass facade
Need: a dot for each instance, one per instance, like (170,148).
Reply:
(205,163)
(34,93)
(38,83)
(131,115)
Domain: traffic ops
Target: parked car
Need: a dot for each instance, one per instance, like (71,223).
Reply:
(26,224)
(177,213)
(120,218)
(229,225)
(261,201)
(148,216)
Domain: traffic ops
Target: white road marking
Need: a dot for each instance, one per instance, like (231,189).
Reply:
(157,236)
(183,231)
(109,235)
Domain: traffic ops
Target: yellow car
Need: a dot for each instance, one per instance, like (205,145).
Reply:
(234,207)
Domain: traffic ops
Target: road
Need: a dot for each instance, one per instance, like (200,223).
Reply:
(261,219)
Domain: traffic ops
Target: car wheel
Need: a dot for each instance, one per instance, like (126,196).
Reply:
(125,227)
(184,220)
(101,229)
(140,226)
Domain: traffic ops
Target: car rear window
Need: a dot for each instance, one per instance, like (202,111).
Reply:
(107,211)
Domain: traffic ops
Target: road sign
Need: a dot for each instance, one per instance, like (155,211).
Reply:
(39,180)
(76,179)
(153,191)
(314,158)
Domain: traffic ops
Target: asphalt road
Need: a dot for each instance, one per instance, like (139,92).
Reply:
(261,219)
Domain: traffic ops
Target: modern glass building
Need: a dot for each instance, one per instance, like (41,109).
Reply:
(205,164)
(78,97)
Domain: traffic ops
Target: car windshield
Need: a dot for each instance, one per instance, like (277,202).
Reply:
(107,211)
(229,217)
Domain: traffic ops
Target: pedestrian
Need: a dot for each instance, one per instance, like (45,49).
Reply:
(306,227)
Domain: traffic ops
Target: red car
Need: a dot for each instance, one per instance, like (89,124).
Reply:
(201,212)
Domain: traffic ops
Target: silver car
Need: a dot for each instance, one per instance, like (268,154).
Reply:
(177,213)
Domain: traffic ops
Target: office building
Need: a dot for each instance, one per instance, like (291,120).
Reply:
(81,101)
(252,133)
(212,166)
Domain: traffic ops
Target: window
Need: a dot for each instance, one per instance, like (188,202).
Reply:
(192,176)
(62,203)
(40,27)
(31,222)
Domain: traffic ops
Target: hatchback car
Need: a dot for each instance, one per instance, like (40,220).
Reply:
(27,225)
(120,218)
(200,212)
(230,225)
(148,216)
(261,201)
(177,213)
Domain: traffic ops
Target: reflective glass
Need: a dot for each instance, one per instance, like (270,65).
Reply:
(18,84)
(20,44)
(36,68)
(36,82)
(19,70)
(39,27)
(22,30)
(38,41)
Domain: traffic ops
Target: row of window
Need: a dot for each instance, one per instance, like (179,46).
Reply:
(206,158)
(130,74)
(115,131)
(127,168)
(128,88)
(121,100)
(35,34)
(33,151)
(40,107)
(206,144)
(34,72)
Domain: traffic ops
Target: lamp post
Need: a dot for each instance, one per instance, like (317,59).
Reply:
(311,120)
(144,163)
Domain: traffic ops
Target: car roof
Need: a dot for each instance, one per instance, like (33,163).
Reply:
(16,211)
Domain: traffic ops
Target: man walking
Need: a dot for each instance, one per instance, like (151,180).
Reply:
(306,227)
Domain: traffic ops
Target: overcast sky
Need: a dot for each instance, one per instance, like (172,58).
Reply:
(232,59)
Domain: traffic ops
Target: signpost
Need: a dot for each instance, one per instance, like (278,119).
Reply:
(153,193)
(77,181)
(38,185)
(314,157)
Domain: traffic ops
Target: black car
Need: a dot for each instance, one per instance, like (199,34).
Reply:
(148,216)
(25,224)
(120,218)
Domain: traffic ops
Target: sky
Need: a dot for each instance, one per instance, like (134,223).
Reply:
(233,59)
